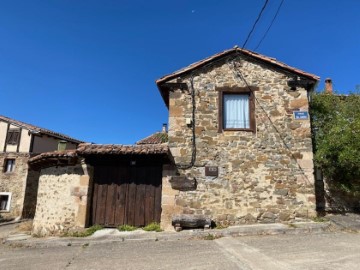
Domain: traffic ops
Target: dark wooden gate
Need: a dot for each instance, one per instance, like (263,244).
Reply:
(125,194)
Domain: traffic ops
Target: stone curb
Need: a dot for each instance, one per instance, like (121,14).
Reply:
(13,222)
(114,236)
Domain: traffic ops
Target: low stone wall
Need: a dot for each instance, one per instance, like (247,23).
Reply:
(62,200)
(14,182)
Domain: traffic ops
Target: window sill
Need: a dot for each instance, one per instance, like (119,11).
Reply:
(238,129)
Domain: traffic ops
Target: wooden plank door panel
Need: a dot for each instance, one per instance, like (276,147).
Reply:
(126,194)
(110,204)
(140,196)
(120,203)
(130,204)
(158,189)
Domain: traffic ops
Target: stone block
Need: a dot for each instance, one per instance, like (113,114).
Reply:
(182,183)
(84,180)
(81,216)
(191,221)
(167,200)
(299,103)
(284,216)
(176,112)
(281,192)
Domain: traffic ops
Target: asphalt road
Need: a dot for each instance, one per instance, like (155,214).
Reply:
(305,251)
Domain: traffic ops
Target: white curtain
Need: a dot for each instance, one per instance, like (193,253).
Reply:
(10,165)
(236,111)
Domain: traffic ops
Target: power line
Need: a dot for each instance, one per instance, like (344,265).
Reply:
(240,74)
(258,18)
(277,12)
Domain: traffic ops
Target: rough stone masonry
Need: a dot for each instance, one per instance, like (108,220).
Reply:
(264,176)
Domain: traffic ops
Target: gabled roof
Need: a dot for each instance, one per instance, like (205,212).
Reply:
(253,55)
(156,138)
(36,129)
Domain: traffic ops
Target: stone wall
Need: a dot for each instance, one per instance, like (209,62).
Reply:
(14,182)
(62,202)
(168,198)
(264,176)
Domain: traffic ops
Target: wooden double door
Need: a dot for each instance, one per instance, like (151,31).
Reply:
(126,194)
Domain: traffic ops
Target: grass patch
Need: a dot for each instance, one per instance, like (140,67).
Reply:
(320,219)
(220,226)
(211,236)
(89,231)
(126,228)
(152,227)
(292,225)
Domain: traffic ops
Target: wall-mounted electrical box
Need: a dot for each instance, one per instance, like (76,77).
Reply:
(188,121)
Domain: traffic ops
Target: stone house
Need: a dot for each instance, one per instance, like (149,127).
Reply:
(239,126)
(238,150)
(18,185)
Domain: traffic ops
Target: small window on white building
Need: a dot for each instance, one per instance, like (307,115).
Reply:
(9,165)
(5,199)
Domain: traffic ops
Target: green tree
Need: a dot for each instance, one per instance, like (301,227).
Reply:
(336,131)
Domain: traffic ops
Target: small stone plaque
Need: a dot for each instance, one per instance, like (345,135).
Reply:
(211,171)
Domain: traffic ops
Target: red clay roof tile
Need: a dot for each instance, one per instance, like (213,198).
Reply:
(156,138)
(118,149)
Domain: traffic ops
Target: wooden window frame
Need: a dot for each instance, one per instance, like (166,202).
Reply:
(240,91)
(10,136)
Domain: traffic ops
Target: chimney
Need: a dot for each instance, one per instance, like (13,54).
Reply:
(164,128)
(328,86)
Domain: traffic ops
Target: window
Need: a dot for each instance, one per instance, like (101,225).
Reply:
(13,136)
(61,145)
(5,199)
(236,110)
(9,165)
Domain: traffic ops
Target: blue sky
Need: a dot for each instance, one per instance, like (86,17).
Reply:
(87,68)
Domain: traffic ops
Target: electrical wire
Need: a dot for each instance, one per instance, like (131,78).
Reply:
(273,125)
(256,21)
(272,22)
(193,137)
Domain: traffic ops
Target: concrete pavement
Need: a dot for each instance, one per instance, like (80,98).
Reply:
(347,221)
(339,250)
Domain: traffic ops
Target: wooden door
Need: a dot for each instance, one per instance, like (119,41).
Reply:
(126,195)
